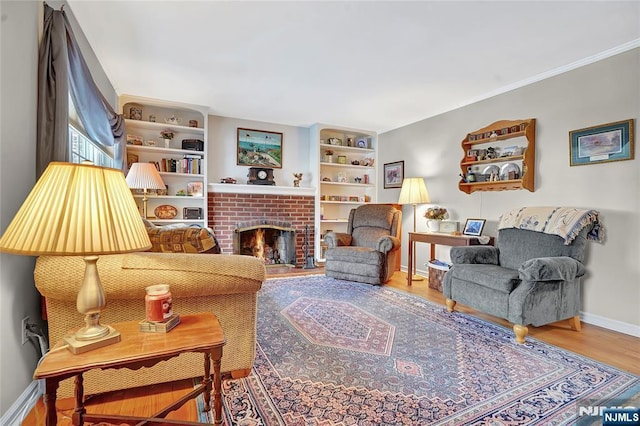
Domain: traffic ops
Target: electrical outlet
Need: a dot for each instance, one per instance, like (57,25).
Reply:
(23,330)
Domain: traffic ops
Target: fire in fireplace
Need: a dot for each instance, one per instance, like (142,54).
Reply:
(274,243)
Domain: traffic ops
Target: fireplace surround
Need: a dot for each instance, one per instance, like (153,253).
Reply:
(231,205)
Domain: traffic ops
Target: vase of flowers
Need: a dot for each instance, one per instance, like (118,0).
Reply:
(167,135)
(434,215)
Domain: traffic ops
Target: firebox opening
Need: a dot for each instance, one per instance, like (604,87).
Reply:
(275,245)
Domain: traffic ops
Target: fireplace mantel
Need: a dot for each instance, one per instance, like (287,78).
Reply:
(229,188)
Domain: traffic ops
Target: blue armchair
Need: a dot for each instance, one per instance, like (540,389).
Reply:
(528,278)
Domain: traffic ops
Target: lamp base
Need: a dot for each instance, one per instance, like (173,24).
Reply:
(415,277)
(81,346)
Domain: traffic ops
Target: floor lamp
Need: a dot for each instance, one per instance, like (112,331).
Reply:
(414,191)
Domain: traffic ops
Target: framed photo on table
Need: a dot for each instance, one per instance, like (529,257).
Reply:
(259,148)
(393,174)
(602,143)
(448,227)
(474,227)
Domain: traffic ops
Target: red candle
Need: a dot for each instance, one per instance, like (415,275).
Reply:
(158,303)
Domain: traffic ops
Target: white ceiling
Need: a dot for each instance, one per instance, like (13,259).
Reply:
(367,65)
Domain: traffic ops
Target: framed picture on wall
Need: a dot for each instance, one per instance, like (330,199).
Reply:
(393,174)
(602,143)
(474,227)
(259,148)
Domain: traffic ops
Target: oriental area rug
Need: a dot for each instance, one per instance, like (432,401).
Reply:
(334,352)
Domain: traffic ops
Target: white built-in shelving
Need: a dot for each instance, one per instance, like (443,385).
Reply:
(187,122)
(345,179)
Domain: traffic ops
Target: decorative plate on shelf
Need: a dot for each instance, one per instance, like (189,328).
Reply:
(509,167)
(165,211)
(491,169)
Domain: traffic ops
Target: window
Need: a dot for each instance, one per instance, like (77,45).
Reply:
(82,148)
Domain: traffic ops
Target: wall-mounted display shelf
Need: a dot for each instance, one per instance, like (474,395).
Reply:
(499,157)
(345,169)
(184,171)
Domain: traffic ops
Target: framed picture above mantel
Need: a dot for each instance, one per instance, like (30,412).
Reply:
(259,148)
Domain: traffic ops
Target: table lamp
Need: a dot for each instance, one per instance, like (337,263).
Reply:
(414,191)
(144,176)
(79,210)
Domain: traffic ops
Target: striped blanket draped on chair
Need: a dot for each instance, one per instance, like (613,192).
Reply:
(565,222)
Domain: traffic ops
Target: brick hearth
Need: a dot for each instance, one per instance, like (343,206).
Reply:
(227,209)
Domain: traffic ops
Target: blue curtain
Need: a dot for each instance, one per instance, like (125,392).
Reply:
(62,71)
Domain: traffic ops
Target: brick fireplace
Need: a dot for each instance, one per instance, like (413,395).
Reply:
(231,207)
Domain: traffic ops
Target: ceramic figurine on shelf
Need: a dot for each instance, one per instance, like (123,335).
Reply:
(298,178)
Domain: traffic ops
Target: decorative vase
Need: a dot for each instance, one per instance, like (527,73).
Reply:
(433,225)
(167,143)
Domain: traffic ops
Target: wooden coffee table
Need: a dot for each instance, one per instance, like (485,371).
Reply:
(195,333)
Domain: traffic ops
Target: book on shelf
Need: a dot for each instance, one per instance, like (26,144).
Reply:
(188,165)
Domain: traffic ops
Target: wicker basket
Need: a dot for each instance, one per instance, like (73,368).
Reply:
(436,275)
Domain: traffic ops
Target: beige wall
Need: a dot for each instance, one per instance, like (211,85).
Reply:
(599,93)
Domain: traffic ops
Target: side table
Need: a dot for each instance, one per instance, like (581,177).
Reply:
(195,333)
(435,238)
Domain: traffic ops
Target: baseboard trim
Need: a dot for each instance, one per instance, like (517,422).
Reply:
(611,324)
(21,407)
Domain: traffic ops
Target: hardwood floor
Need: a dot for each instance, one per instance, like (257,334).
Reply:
(616,349)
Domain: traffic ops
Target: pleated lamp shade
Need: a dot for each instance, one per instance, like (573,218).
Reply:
(144,176)
(77,209)
(414,191)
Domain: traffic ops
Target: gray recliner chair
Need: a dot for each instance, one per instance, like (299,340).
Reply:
(367,251)
(528,278)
